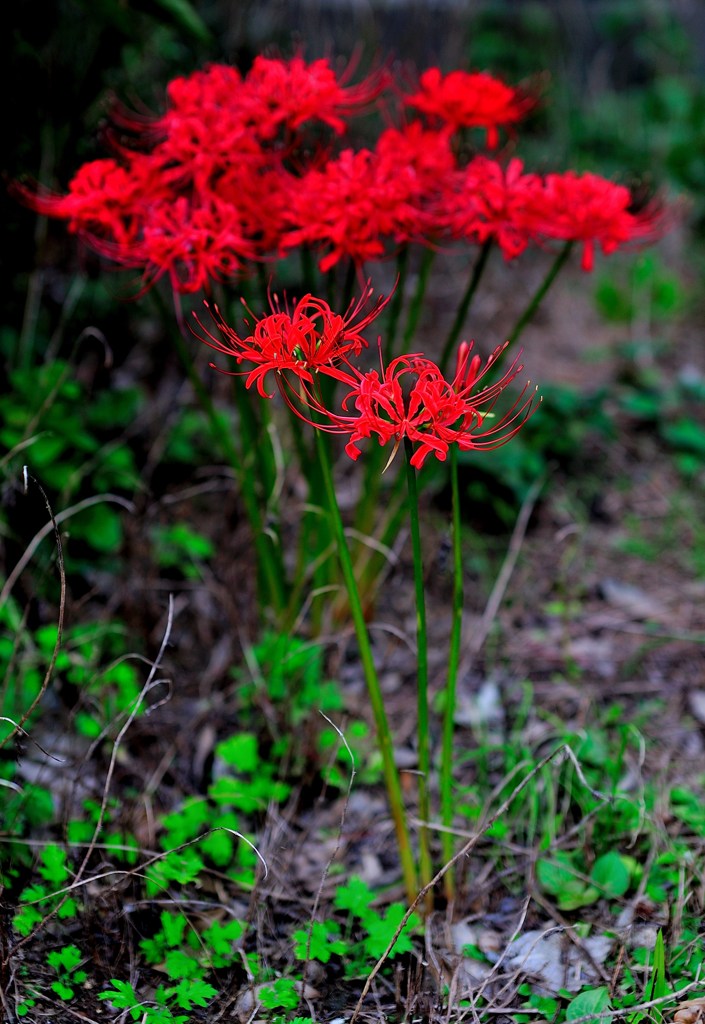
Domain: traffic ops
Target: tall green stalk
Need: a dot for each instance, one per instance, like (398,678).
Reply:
(451,682)
(396,302)
(462,311)
(384,736)
(412,320)
(268,555)
(308,268)
(540,293)
(369,502)
(424,747)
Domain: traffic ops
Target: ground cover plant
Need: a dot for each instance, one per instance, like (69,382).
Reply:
(297,724)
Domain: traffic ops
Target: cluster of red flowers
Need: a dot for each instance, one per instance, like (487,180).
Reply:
(409,398)
(245,167)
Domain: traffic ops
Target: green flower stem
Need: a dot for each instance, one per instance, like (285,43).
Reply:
(384,736)
(372,561)
(310,529)
(424,748)
(262,283)
(256,442)
(308,269)
(412,320)
(462,312)
(268,555)
(369,502)
(396,302)
(540,292)
(451,683)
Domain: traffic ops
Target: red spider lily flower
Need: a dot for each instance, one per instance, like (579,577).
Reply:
(216,85)
(203,111)
(485,200)
(193,243)
(426,152)
(352,206)
(104,199)
(262,192)
(205,131)
(590,209)
(291,92)
(216,113)
(310,339)
(465,99)
(425,160)
(274,94)
(413,399)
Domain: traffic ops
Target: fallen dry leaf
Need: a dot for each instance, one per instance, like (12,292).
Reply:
(692,1011)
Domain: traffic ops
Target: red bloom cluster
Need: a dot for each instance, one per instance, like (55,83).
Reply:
(310,339)
(589,209)
(487,201)
(206,186)
(464,100)
(352,205)
(413,399)
(244,168)
(410,398)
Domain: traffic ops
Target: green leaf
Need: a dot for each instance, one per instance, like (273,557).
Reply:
(187,18)
(25,920)
(67,909)
(381,929)
(63,991)
(115,408)
(221,939)
(281,994)
(594,1000)
(87,725)
(237,793)
(611,874)
(180,965)
(46,451)
(657,986)
(66,959)
(193,992)
(116,470)
(240,752)
(123,997)
(175,867)
(54,869)
(685,435)
(355,896)
(100,526)
(557,875)
(187,822)
(173,927)
(218,846)
(322,944)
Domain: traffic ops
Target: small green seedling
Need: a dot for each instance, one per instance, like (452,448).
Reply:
(66,963)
